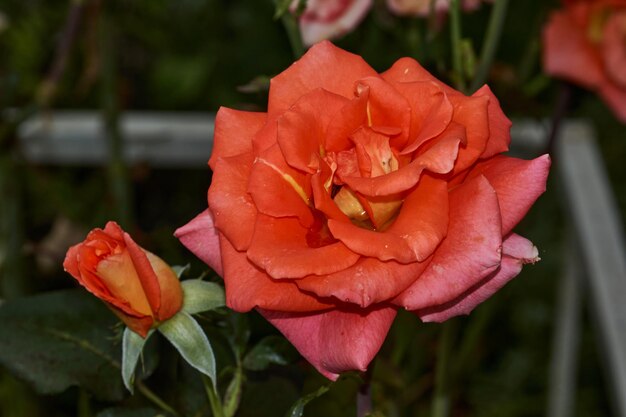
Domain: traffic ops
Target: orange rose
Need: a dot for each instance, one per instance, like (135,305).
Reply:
(359,193)
(585,43)
(140,288)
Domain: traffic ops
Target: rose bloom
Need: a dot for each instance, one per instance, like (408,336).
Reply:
(330,19)
(360,193)
(422,7)
(140,288)
(585,43)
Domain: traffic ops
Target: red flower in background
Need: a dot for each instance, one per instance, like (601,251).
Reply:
(330,19)
(359,193)
(140,288)
(585,43)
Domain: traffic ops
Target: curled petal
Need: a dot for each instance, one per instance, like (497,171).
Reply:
(234,131)
(517,182)
(248,287)
(202,238)
(470,251)
(280,247)
(499,125)
(233,210)
(415,233)
(312,71)
(337,340)
(516,251)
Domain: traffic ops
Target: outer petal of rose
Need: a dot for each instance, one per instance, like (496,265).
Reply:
(279,246)
(368,282)
(517,182)
(615,98)
(170,290)
(233,210)
(516,251)
(438,159)
(139,324)
(302,129)
(335,341)
(414,235)
(202,238)
(145,273)
(568,54)
(472,113)
(248,287)
(408,70)
(234,131)
(323,66)
(499,125)
(272,180)
(470,251)
(314,30)
(431,112)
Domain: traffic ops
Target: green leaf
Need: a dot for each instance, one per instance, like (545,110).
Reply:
(132,347)
(297,409)
(270,350)
(189,339)
(61,339)
(199,296)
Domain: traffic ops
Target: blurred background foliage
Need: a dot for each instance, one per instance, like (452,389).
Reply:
(197,55)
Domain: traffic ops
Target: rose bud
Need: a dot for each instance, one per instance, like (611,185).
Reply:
(358,194)
(140,288)
(584,43)
(329,19)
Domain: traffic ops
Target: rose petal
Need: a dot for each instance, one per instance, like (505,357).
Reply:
(439,159)
(568,54)
(408,70)
(414,235)
(470,251)
(367,282)
(516,251)
(499,125)
(613,49)
(145,273)
(248,287)
(471,113)
(233,210)
(302,129)
(517,182)
(234,131)
(337,340)
(323,66)
(279,246)
(279,190)
(202,238)
(431,112)
(615,98)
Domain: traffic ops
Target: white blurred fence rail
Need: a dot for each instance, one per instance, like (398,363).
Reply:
(594,262)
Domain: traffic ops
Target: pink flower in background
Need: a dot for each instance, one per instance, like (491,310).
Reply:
(585,43)
(422,7)
(330,19)
(358,194)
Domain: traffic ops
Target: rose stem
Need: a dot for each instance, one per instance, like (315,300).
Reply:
(290,23)
(440,406)
(455,37)
(214,400)
(560,111)
(118,175)
(147,392)
(490,44)
(364,394)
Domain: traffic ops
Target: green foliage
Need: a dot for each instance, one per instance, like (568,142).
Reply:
(61,339)
(272,350)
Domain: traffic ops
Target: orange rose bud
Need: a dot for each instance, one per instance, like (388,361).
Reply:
(140,288)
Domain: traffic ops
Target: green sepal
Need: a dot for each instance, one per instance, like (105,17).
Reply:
(186,335)
(132,346)
(199,296)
